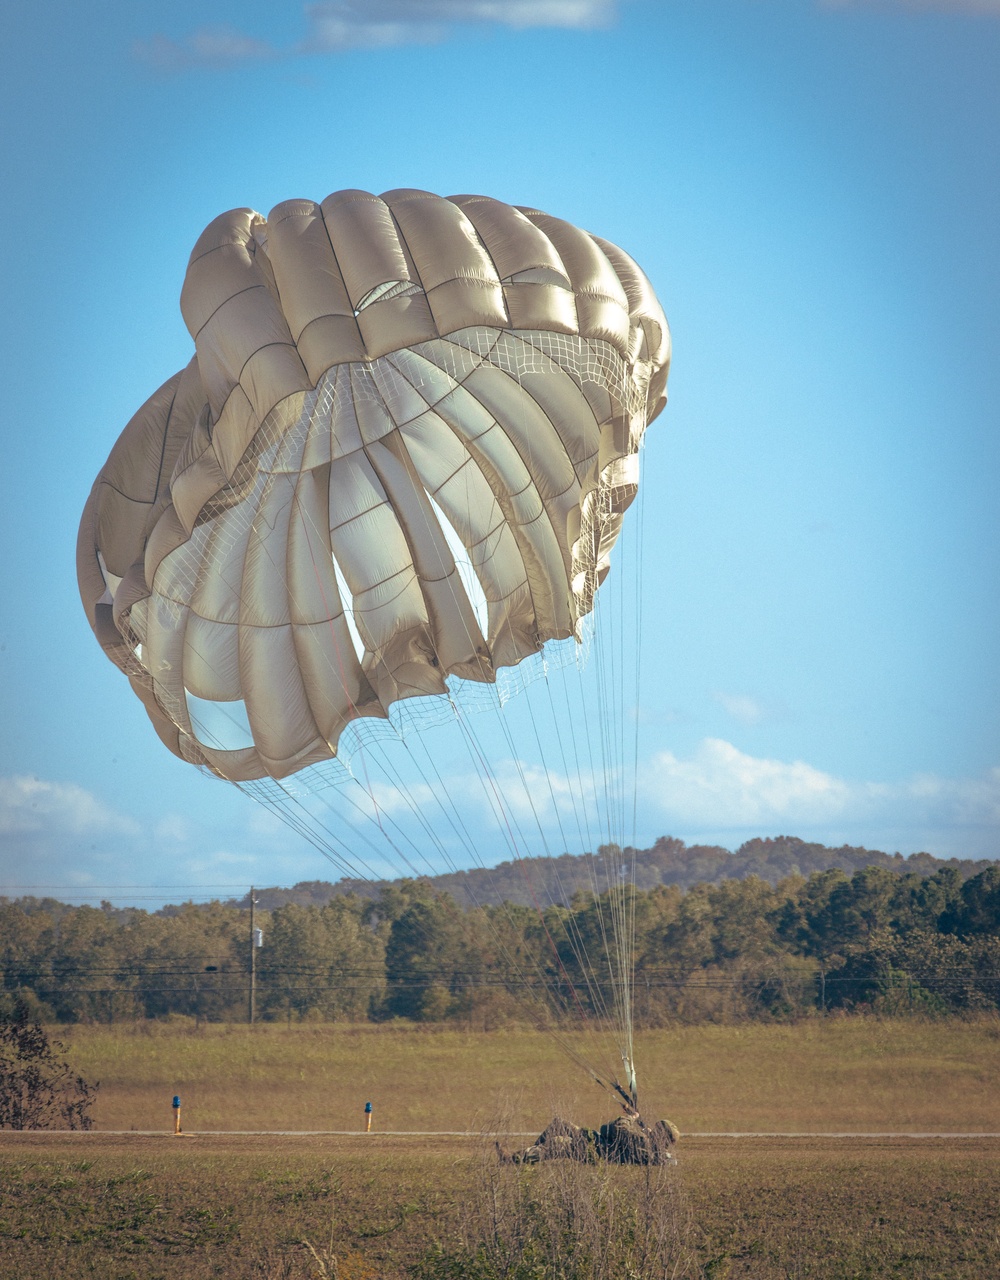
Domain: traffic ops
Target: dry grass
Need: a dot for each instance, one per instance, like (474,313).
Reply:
(384,1208)
(828,1075)
(780,1210)
(122,1208)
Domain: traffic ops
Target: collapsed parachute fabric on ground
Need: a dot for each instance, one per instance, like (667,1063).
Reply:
(400,454)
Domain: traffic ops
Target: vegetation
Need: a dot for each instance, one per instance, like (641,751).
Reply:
(37,1088)
(573,1223)
(376,1207)
(832,1074)
(408,999)
(246,1209)
(553,881)
(881,939)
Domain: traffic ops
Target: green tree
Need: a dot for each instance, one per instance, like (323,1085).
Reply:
(326,962)
(977,908)
(192,960)
(434,956)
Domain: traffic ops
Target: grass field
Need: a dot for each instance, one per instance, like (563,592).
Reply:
(134,1207)
(828,1076)
(149,1208)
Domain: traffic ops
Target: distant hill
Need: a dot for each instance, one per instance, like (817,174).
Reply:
(544,881)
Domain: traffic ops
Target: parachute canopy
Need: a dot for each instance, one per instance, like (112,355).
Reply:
(400,454)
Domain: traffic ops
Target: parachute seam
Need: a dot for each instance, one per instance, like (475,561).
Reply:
(447,341)
(533,484)
(340,277)
(241,243)
(224,303)
(555,431)
(253,355)
(163,442)
(514,525)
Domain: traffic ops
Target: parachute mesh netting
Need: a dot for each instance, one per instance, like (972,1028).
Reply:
(381,396)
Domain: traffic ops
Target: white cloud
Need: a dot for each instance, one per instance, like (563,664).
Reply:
(223,858)
(387,799)
(720,787)
(58,834)
(29,805)
(58,838)
(721,794)
(338,25)
(261,822)
(173,829)
(372,24)
(740,706)
(964,801)
(528,790)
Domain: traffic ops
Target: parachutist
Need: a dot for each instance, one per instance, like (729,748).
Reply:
(627,1140)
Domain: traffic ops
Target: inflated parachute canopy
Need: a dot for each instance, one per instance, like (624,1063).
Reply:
(401,453)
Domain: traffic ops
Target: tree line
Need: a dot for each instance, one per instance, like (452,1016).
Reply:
(878,939)
(546,881)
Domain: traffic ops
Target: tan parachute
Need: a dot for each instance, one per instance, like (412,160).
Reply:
(380,383)
(394,469)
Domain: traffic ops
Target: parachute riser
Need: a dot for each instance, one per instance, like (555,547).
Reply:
(629,1101)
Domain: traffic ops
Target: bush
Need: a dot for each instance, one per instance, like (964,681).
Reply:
(37,1088)
(569,1221)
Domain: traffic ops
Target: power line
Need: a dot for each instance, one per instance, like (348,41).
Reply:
(93,888)
(487,977)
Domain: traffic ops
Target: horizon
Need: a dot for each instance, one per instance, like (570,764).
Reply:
(207,895)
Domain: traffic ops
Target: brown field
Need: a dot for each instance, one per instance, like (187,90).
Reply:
(140,1208)
(828,1075)
(134,1207)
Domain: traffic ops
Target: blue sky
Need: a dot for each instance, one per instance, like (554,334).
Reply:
(813,190)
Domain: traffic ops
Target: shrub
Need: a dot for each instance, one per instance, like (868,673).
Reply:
(569,1221)
(37,1088)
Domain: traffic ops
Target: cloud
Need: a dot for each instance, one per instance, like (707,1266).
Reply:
(261,822)
(377,24)
(387,799)
(336,26)
(529,791)
(965,801)
(741,707)
(173,829)
(29,805)
(722,788)
(206,47)
(56,834)
(58,839)
(718,793)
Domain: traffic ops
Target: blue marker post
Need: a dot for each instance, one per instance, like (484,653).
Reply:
(177,1115)
(368,1117)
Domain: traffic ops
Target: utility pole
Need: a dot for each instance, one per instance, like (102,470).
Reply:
(253,958)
